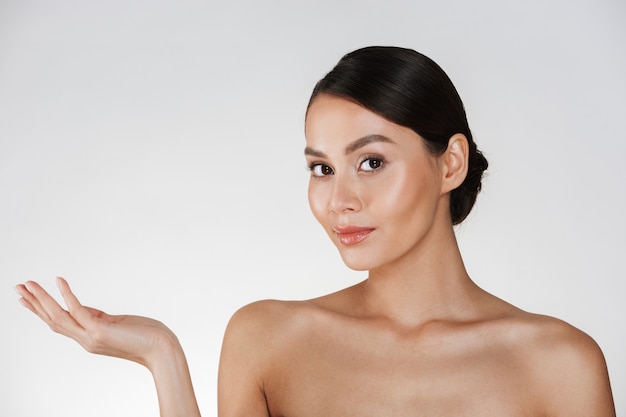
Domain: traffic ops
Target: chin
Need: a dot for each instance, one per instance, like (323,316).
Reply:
(358,261)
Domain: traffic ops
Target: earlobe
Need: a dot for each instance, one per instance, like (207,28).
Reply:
(455,163)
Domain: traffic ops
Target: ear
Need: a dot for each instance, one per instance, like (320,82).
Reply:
(454,163)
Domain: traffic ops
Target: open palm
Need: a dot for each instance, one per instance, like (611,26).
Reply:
(129,337)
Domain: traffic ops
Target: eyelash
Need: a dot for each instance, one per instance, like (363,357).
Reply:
(315,165)
(379,159)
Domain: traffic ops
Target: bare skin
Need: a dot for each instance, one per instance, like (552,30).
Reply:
(320,358)
(138,339)
(417,338)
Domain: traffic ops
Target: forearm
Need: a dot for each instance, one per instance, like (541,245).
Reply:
(173,384)
(135,338)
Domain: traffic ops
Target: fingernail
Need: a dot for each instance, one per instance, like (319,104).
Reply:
(17,289)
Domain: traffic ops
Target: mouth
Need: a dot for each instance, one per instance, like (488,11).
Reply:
(352,235)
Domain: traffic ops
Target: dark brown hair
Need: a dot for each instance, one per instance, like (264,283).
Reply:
(411,90)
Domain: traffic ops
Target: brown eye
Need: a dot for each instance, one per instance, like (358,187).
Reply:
(371,164)
(321,170)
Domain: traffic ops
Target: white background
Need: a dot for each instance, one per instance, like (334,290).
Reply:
(151,153)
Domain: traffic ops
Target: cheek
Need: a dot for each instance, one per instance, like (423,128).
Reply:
(408,194)
(316,201)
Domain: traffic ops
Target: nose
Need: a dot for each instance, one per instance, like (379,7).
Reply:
(344,195)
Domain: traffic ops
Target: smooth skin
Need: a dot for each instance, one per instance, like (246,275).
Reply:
(417,338)
(139,339)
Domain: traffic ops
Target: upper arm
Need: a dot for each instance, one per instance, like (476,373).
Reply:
(243,363)
(576,378)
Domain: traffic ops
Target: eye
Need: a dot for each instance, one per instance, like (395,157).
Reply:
(371,164)
(320,170)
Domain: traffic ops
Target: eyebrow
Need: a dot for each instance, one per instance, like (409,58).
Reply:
(353,146)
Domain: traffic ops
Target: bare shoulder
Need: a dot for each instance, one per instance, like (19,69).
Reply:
(263,326)
(560,368)
(567,364)
(255,339)
(547,335)
(555,343)
(265,330)
(269,316)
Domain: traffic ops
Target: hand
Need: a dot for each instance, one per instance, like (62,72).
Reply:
(139,339)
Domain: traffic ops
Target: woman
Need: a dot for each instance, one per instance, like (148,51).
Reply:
(393,168)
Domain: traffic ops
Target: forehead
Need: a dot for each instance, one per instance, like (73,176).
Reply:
(338,120)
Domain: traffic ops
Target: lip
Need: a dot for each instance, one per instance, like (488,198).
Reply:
(352,235)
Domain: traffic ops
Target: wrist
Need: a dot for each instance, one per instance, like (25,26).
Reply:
(165,349)
(172,380)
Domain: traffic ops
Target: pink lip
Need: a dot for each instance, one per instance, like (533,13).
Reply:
(351,235)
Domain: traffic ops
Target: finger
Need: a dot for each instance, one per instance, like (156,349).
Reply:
(72,302)
(83,315)
(30,301)
(51,312)
(40,298)
(21,290)
(68,296)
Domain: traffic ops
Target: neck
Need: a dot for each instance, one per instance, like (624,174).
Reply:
(429,283)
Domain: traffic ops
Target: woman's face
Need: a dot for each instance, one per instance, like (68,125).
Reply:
(374,186)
